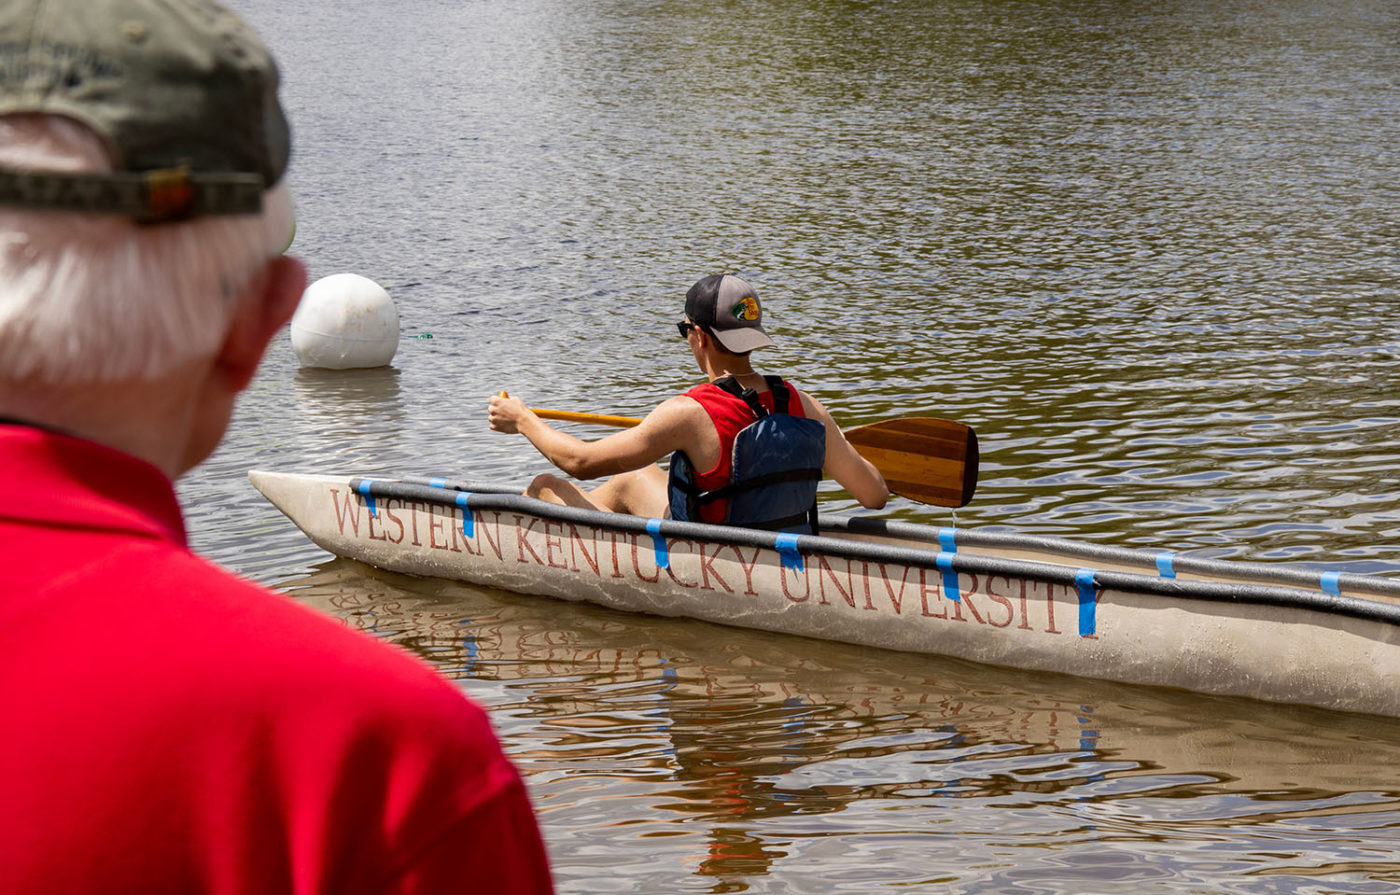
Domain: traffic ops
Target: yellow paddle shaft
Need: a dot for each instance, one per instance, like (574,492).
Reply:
(569,416)
(600,419)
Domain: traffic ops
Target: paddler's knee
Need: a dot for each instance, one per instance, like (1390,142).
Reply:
(544,486)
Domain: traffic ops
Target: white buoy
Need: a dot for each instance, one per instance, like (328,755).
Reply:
(344,322)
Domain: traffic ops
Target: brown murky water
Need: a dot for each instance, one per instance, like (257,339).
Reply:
(1147,250)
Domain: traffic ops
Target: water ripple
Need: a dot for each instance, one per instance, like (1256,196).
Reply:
(1147,251)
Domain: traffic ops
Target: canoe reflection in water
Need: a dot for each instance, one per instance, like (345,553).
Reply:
(642,728)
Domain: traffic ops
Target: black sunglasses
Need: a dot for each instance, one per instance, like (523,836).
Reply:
(685,326)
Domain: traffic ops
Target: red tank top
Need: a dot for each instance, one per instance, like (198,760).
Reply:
(729,414)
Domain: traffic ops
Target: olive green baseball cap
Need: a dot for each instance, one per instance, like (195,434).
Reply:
(183,92)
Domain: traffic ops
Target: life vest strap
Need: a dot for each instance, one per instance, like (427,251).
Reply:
(750,397)
(760,481)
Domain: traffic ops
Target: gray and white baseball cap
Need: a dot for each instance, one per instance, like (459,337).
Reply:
(729,308)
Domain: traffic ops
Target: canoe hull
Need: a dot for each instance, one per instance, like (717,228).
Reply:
(1037,612)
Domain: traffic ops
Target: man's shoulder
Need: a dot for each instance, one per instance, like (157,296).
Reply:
(683,409)
(179,631)
(219,699)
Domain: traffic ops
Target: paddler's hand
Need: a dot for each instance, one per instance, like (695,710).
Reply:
(505,413)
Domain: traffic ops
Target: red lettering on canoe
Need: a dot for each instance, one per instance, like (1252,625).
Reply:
(748,568)
(708,570)
(369,528)
(384,507)
(1050,608)
(636,560)
(825,572)
(671,566)
(553,542)
(349,511)
(576,546)
(1002,601)
(522,531)
(614,536)
(435,527)
(806,582)
(896,599)
(457,537)
(493,543)
(865,584)
(925,589)
(966,594)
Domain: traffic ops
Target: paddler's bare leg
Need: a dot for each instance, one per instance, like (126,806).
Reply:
(641,493)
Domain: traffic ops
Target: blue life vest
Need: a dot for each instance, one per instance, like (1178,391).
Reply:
(777,463)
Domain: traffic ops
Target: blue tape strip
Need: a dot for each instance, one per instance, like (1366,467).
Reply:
(788,554)
(947,539)
(658,544)
(944,561)
(1084,580)
(468,520)
(1164,565)
(437,483)
(369,498)
(1331,583)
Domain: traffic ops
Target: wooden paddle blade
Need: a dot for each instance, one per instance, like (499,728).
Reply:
(922,458)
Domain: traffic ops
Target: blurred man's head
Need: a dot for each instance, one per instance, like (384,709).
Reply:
(142,150)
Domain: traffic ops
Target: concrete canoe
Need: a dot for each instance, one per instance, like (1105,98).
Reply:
(1278,633)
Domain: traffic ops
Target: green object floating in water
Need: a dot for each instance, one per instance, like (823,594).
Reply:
(424,336)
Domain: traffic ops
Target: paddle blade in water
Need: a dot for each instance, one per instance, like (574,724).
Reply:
(925,459)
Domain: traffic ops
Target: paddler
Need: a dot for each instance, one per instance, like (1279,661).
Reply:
(746,449)
(169,726)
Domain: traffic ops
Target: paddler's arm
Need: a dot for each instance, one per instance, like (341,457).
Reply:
(665,429)
(844,464)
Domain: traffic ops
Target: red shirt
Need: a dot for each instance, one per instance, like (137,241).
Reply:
(169,727)
(730,415)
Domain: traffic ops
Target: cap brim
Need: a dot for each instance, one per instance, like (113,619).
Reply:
(743,339)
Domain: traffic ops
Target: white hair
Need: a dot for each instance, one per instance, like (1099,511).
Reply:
(100,298)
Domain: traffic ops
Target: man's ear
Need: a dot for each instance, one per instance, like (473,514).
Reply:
(263,310)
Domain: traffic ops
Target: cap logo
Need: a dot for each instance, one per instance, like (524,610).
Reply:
(745,309)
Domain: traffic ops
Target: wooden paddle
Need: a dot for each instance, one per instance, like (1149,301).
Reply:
(922,458)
